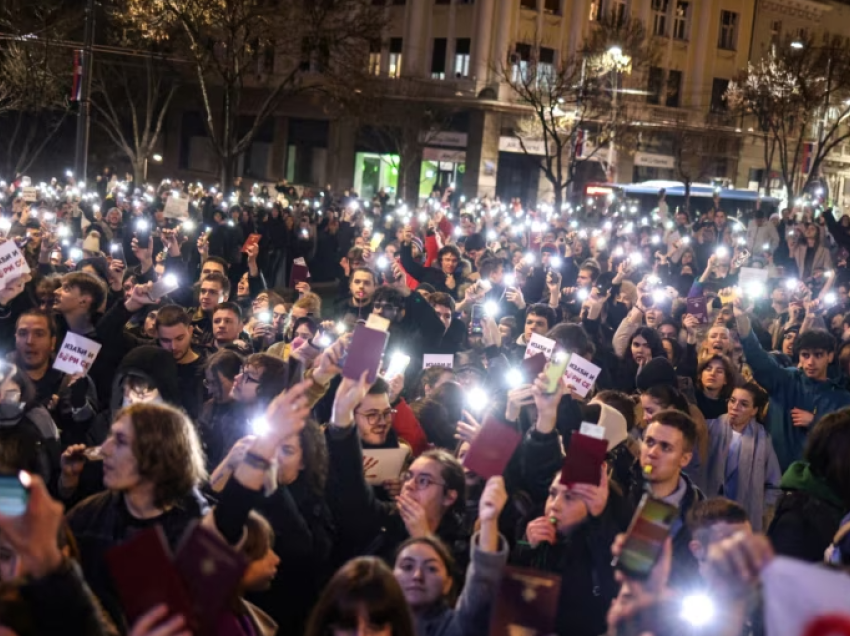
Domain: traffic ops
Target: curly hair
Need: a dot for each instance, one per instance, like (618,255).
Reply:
(314,454)
(167,450)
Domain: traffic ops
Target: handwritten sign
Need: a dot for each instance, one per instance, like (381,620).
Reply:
(539,344)
(177,206)
(752,276)
(12,263)
(381,464)
(445,360)
(29,194)
(76,355)
(581,375)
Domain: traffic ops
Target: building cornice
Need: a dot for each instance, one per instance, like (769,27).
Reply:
(806,9)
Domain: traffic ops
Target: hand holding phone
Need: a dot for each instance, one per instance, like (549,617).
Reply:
(645,538)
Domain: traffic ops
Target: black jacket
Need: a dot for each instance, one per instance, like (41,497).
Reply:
(804,525)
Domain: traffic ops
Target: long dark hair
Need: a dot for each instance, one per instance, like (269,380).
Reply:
(364,585)
(827,450)
(652,339)
(443,553)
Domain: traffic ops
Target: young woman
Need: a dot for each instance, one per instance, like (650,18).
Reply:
(363,597)
(424,569)
(741,460)
(152,467)
(643,346)
(810,254)
(716,378)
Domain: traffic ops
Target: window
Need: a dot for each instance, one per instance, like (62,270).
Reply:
(375,57)
(674,89)
(718,94)
(438,59)
(595,10)
(528,4)
(546,65)
(659,17)
(775,32)
(618,12)
(462,49)
(655,84)
(552,6)
(395,57)
(520,60)
(728,37)
(680,20)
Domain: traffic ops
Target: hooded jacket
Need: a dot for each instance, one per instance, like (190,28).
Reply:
(153,364)
(789,389)
(807,516)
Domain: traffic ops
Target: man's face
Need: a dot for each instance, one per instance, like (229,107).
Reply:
(497,275)
(210,294)
(448,263)
(33,342)
(535,324)
(226,326)
(667,331)
(584,278)
(177,339)
(445,314)
(388,310)
(814,363)
(474,255)
(681,220)
(373,417)
(663,448)
(362,287)
(211,266)
(70,299)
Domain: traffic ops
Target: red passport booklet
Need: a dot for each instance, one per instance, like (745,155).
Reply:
(364,353)
(584,459)
(492,448)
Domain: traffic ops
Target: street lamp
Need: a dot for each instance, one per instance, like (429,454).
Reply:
(797,45)
(618,62)
(157,158)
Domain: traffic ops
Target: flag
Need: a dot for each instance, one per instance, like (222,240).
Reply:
(77,81)
(808,151)
(803,599)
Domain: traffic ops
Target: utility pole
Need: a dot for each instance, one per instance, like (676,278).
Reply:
(81,152)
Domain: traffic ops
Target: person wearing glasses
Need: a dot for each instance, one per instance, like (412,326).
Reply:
(742,465)
(432,500)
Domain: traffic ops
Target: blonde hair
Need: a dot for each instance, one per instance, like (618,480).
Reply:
(311,302)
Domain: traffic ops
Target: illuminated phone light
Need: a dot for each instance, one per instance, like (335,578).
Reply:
(514,378)
(260,426)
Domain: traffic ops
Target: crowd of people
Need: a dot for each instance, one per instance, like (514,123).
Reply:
(222,403)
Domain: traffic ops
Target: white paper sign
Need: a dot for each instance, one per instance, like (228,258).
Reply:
(76,355)
(446,360)
(177,206)
(749,275)
(581,374)
(592,430)
(382,464)
(12,263)
(29,194)
(539,344)
(804,598)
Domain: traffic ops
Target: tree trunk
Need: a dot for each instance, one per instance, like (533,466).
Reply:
(227,172)
(687,185)
(559,199)
(139,176)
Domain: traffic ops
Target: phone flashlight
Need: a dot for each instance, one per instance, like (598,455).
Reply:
(141,225)
(582,294)
(509,280)
(686,240)
(491,308)
(170,280)
(528,259)
(476,398)
(382,262)
(791,284)
(721,252)
(830,298)
(636,258)
(188,225)
(259,426)
(697,609)
(556,262)
(514,378)
(76,253)
(265,317)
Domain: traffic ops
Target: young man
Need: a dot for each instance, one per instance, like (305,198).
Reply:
(174,334)
(539,319)
(227,327)
(798,396)
(445,279)
(357,304)
(667,448)
(214,289)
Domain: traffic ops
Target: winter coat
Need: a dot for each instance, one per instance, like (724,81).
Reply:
(789,389)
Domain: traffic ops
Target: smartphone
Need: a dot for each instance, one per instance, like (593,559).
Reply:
(555,369)
(163,286)
(375,243)
(645,538)
(117,251)
(475,326)
(143,233)
(14,495)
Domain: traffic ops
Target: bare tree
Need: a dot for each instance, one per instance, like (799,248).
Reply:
(799,98)
(698,154)
(35,78)
(580,100)
(247,56)
(130,101)
(397,118)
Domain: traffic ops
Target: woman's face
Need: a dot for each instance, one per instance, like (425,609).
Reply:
(120,466)
(651,406)
(422,576)
(433,497)
(718,340)
(261,303)
(714,376)
(564,506)
(687,258)
(364,627)
(741,408)
(810,232)
(290,459)
(219,385)
(260,573)
(641,353)
(244,289)
(472,480)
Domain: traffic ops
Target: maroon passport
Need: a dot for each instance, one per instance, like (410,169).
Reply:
(492,449)
(533,366)
(299,274)
(697,307)
(364,353)
(584,460)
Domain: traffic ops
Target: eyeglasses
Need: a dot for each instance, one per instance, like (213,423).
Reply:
(372,417)
(246,375)
(420,482)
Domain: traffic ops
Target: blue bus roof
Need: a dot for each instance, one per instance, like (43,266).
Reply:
(675,188)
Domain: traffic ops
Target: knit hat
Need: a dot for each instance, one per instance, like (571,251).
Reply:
(657,371)
(98,263)
(475,242)
(92,242)
(418,243)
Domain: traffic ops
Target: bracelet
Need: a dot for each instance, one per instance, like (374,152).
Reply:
(257,461)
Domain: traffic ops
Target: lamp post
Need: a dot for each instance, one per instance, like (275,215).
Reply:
(157,159)
(618,62)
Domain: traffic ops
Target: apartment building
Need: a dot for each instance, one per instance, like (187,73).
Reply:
(456,49)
